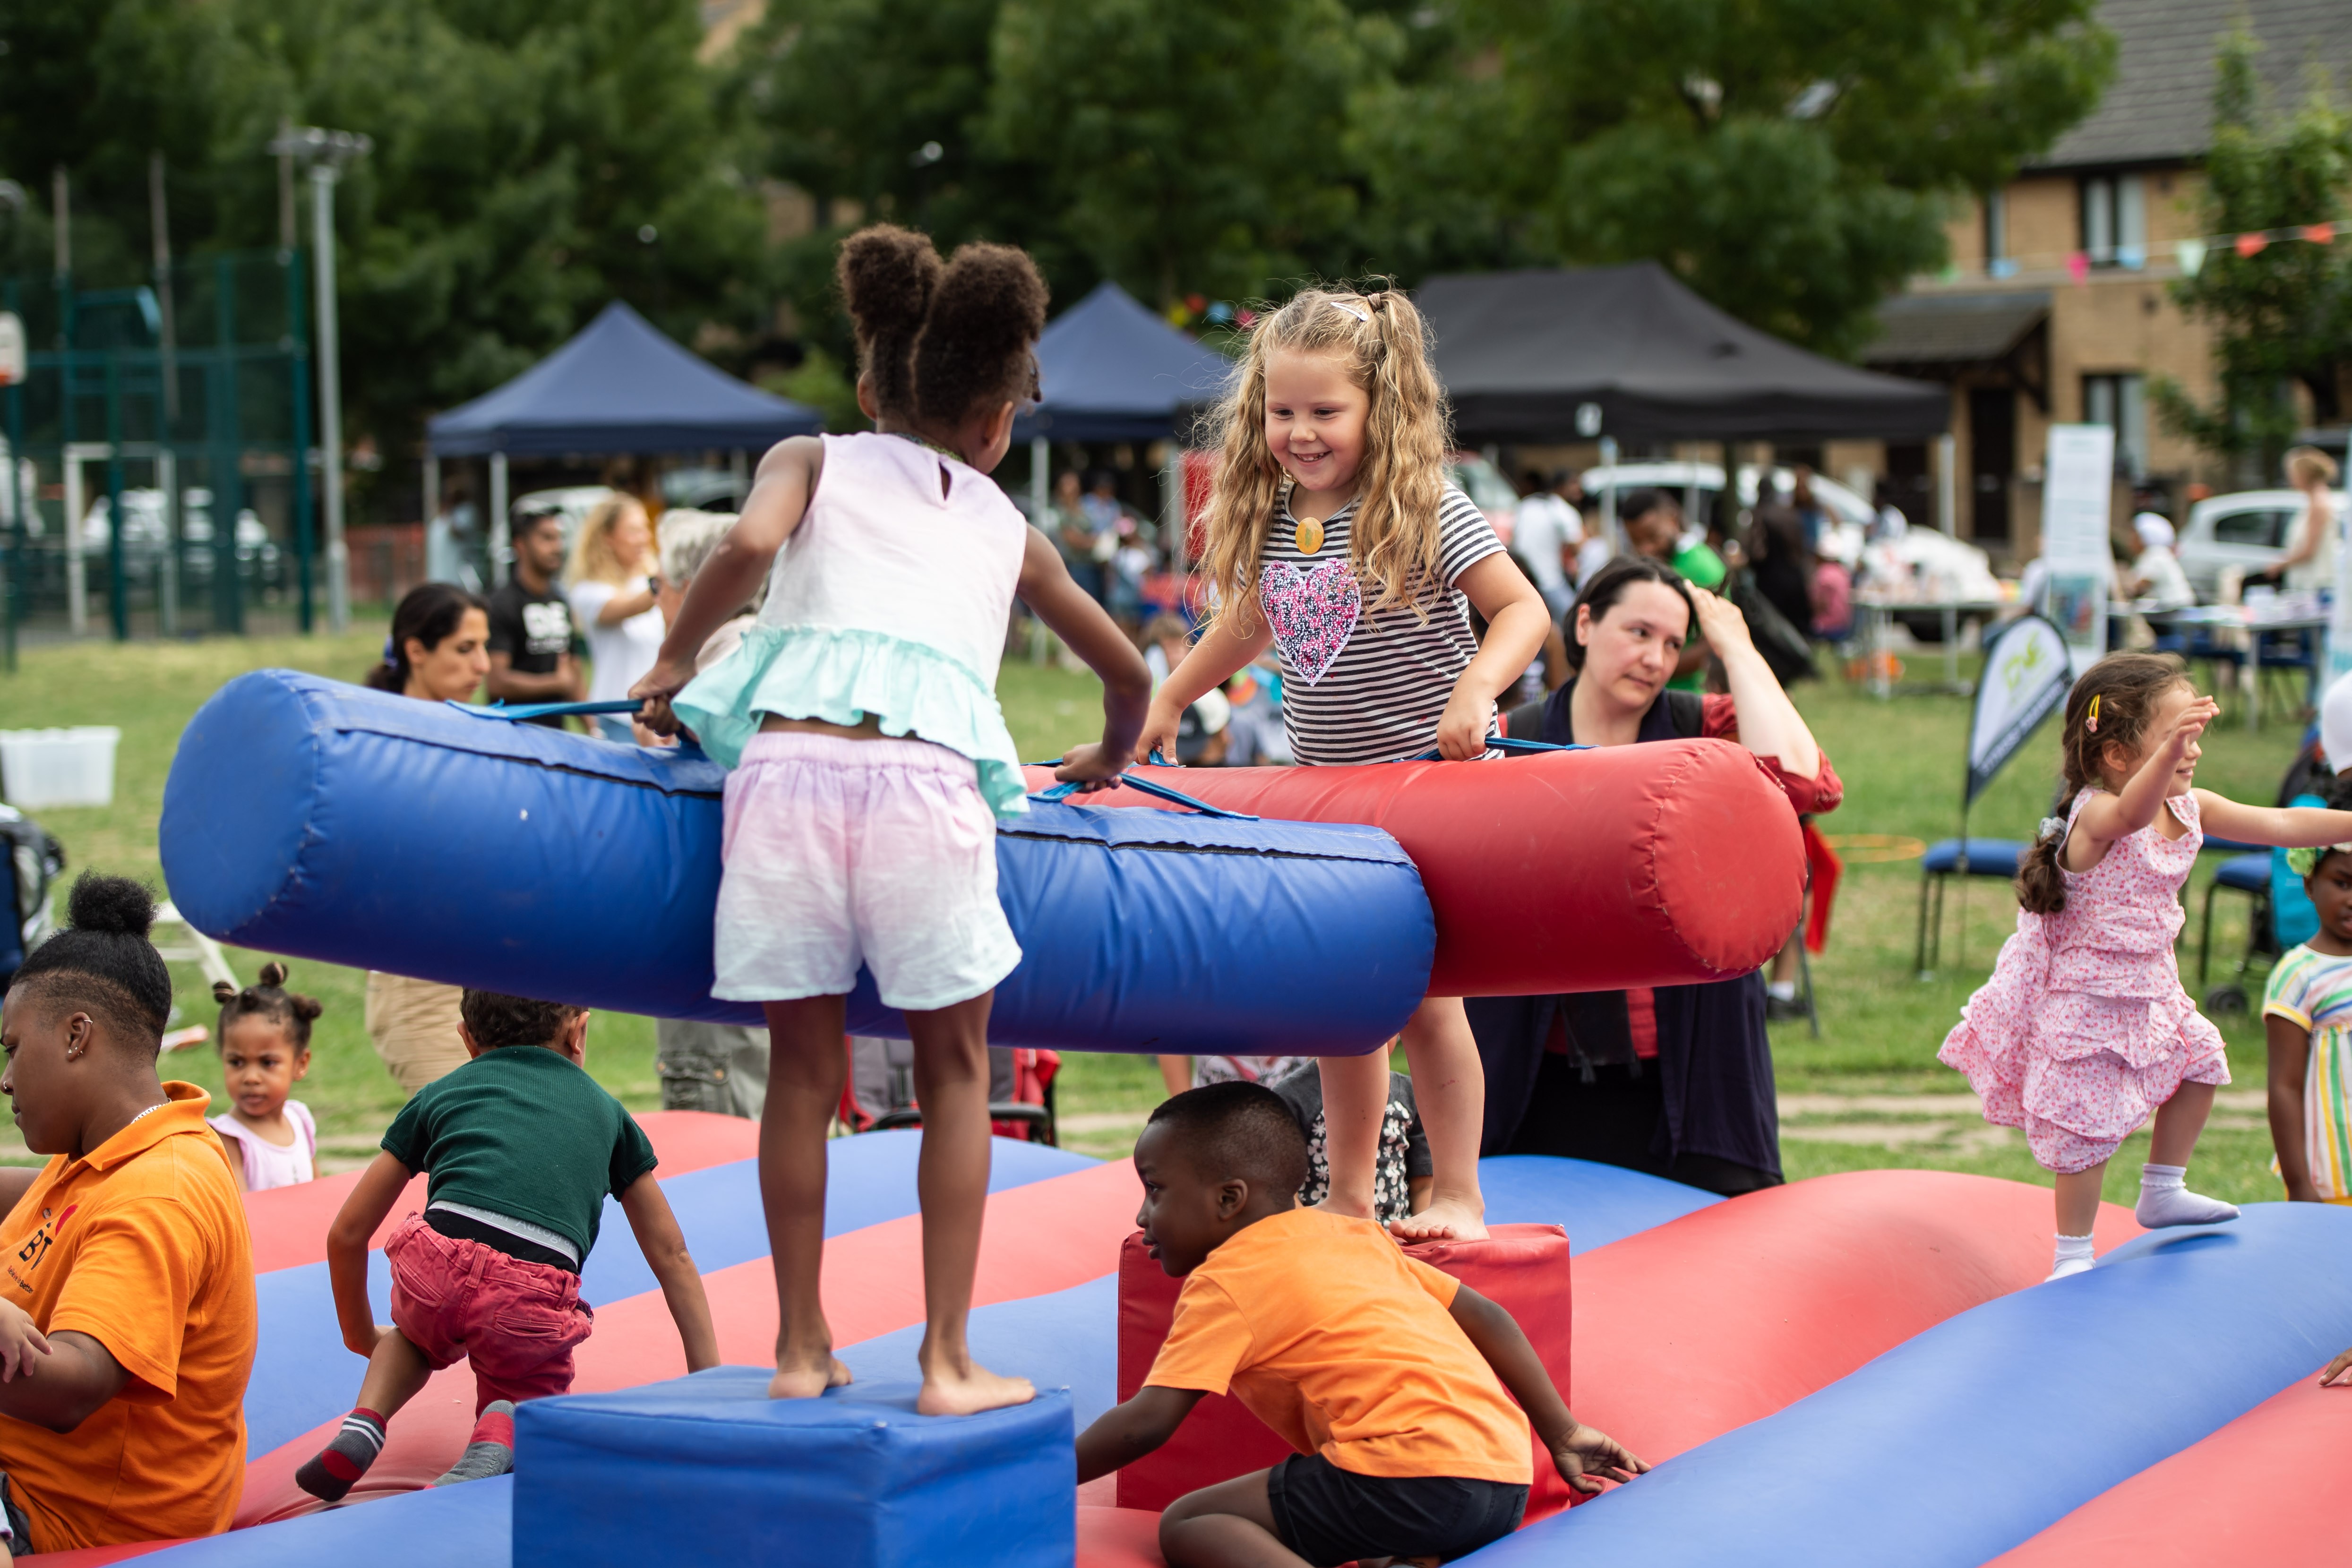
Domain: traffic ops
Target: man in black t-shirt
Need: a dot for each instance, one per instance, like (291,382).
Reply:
(533,656)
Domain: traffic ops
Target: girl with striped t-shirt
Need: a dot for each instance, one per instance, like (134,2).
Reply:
(2308,1012)
(1334,536)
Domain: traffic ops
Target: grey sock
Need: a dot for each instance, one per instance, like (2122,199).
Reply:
(490,1451)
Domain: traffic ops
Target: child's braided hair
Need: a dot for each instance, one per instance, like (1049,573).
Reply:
(289,1010)
(2110,706)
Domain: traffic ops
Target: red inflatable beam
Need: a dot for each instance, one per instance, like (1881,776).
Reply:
(1523,1267)
(2255,1492)
(1582,871)
(1742,1308)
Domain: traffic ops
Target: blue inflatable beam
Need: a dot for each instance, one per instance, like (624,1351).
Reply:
(329,822)
(1959,1445)
(1596,1203)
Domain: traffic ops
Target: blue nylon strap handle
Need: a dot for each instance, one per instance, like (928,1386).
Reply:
(546,710)
(1173,797)
(1496,743)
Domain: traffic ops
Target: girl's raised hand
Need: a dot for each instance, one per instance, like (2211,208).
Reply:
(2193,720)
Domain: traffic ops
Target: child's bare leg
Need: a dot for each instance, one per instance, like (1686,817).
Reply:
(1229,1525)
(395,1371)
(1355,1102)
(2179,1120)
(807,1064)
(2164,1195)
(1449,1086)
(951,1180)
(2078,1199)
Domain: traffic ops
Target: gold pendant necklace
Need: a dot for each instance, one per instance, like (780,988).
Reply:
(1309,537)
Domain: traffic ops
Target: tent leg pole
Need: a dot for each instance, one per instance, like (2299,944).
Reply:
(1609,496)
(499,551)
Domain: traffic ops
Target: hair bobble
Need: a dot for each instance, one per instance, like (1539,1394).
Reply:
(2052,827)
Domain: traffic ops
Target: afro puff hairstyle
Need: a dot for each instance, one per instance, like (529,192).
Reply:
(941,340)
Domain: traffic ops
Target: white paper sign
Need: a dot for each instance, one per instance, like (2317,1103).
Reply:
(2077,490)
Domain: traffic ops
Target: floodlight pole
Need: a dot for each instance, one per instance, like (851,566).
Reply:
(328,152)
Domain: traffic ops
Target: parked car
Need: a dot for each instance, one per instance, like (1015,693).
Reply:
(1485,484)
(1850,513)
(2250,530)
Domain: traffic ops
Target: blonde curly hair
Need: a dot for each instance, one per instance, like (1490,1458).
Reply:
(1382,344)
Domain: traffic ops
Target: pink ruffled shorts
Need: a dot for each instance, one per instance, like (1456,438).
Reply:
(844,852)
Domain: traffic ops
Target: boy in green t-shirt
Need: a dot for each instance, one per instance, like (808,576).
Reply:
(521,1147)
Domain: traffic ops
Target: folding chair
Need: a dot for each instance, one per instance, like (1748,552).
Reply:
(2249,874)
(1949,858)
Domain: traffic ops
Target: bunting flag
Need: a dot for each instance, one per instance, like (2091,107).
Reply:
(2190,253)
(2319,233)
(2250,245)
(2078,267)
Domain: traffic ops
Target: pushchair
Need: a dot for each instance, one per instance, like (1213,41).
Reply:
(31,861)
(880,1093)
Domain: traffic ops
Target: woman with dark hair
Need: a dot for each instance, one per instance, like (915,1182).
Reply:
(440,646)
(440,651)
(1676,1080)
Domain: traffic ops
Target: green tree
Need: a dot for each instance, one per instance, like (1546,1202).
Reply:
(2282,317)
(1791,160)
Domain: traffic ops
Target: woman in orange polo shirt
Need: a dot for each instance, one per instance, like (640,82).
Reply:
(127,1315)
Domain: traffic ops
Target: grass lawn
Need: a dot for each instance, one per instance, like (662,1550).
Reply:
(1867,1093)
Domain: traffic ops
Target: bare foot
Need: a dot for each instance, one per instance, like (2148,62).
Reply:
(1446,1219)
(802,1382)
(970,1392)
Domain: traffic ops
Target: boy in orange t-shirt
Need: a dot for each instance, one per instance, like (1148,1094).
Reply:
(127,1320)
(1392,1379)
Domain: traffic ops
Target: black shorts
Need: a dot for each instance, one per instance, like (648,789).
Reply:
(1329,1516)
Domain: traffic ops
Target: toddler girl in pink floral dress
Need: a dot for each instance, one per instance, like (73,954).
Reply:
(2084,1030)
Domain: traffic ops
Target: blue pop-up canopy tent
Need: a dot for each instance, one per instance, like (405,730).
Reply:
(1111,371)
(619,386)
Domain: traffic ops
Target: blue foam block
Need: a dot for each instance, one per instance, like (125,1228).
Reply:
(720,1475)
(304,1375)
(1596,1203)
(1066,1340)
(1965,1441)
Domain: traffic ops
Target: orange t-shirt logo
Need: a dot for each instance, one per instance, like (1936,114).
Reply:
(36,1247)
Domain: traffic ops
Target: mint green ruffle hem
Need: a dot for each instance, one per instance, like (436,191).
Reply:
(841,676)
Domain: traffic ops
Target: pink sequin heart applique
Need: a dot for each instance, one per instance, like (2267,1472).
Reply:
(1311,612)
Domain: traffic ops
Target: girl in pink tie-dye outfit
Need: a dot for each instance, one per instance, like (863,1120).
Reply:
(1334,534)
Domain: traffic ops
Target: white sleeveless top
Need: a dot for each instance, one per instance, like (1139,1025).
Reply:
(891,599)
(267,1164)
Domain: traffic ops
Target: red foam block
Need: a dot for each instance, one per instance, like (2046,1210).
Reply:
(2255,1492)
(1587,870)
(290,1223)
(1524,1268)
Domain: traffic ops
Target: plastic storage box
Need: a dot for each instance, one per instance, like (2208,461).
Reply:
(44,768)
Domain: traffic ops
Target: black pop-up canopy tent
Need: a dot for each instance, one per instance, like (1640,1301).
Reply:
(619,386)
(1111,371)
(1629,353)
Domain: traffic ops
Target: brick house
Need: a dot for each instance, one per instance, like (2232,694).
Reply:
(2057,306)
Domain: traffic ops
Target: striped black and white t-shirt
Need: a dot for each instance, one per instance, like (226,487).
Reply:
(1361,684)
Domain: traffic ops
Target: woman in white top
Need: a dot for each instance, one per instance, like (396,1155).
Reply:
(2310,563)
(615,593)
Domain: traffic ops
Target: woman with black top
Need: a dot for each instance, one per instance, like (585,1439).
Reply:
(1675,1080)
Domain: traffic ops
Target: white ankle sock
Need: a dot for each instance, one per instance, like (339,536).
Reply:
(2073,1256)
(1781,990)
(2164,1200)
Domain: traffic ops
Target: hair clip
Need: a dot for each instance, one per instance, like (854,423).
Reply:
(2050,828)
(1359,312)
(2090,724)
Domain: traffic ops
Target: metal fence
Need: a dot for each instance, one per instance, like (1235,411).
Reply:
(157,473)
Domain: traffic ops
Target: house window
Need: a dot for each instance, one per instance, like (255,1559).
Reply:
(2120,403)
(2115,220)
(1997,262)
